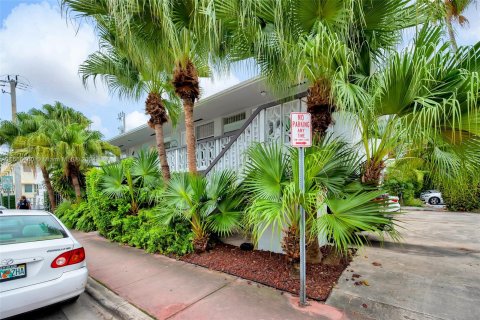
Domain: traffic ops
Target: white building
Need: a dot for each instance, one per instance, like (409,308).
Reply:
(31,183)
(226,124)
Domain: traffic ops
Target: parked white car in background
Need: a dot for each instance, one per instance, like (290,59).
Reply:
(41,263)
(392,203)
(433,197)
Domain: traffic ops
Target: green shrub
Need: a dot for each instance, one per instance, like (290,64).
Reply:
(142,231)
(468,200)
(113,219)
(413,202)
(76,216)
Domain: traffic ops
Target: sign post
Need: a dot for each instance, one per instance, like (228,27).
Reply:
(301,137)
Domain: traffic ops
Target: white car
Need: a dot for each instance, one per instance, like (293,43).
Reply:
(392,203)
(433,197)
(41,263)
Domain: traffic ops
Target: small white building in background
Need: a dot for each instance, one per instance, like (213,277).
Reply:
(226,124)
(31,180)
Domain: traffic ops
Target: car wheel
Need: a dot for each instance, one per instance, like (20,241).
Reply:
(434,200)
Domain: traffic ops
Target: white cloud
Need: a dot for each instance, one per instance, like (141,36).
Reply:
(209,86)
(41,45)
(97,125)
(135,119)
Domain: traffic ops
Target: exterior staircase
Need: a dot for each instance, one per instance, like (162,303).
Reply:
(267,123)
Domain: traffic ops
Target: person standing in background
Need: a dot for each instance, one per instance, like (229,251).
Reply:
(23,204)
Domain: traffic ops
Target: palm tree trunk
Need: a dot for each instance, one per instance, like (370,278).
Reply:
(76,186)
(372,172)
(185,81)
(320,107)
(190,138)
(48,184)
(162,153)
(451,34)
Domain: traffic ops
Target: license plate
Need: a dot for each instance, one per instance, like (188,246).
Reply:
(15,271)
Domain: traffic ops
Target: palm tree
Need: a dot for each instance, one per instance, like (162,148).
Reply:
(22,136)
(122,72)
(271,182)
(210,205)
(426,102)
(454,10)
(76,147)
(134,179)
(173,25)
(320,42)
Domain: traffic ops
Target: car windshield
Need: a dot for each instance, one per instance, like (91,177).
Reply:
(27,228)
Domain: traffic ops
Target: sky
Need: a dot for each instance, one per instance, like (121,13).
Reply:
(45,48)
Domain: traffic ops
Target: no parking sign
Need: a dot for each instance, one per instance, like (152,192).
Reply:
(301,129)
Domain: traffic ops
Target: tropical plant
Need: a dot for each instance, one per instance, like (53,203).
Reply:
(320,42)
(423,104)
(133,179)
(211,205)
(31,142)
(176,25)
(450,12)
(271,182)
(18,135)
(132,72)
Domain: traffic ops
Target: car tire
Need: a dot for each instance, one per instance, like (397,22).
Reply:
(434,200)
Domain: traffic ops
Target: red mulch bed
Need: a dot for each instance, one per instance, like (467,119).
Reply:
(271,269)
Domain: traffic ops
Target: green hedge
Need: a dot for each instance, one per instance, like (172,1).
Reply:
(467,200)
(112,219)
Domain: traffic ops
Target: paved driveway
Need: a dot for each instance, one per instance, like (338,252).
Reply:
(433,274)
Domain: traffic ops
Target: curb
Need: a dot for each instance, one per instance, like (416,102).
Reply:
(115,304)
(432,209)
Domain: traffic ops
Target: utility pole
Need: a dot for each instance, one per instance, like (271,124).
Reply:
(13,81)
(13,95)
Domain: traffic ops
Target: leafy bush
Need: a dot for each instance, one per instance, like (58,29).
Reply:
(468,200)
(412,202)
(76,216)
(143,231)
(405,182)
(113,219)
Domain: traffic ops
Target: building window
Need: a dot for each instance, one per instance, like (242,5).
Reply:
(204,131)
(28,188)
(27,168)
(234,122)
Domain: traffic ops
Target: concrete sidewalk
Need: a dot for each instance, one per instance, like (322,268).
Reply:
(432,275)
(170,289)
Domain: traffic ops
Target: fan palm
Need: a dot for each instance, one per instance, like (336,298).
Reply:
(426,100)
(121,70)
(210,205)
(319,42)
(271,181)
(134,179)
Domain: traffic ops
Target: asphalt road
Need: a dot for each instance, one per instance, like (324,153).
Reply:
(85,308)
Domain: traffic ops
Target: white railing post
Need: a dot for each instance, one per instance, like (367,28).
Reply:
(261,126)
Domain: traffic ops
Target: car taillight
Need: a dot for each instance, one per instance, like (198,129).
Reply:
(394,200)
(68,258)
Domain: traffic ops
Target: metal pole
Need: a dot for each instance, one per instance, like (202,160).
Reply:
(8,198)
(13,95)
(301,182)
(17,175)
